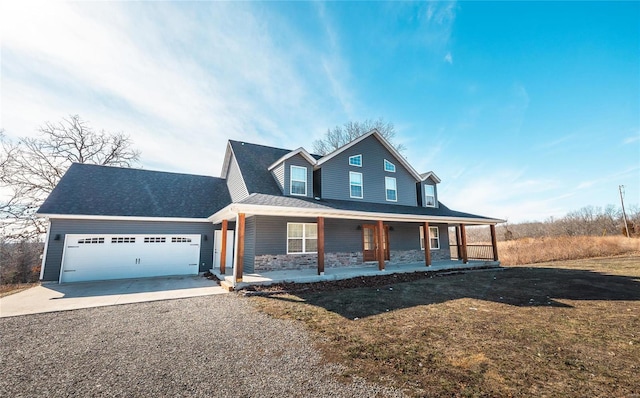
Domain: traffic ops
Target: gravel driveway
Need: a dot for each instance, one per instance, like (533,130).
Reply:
(214,346)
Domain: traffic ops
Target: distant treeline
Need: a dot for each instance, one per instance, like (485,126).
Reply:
(588,221)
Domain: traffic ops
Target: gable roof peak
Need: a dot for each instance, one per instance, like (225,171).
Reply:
(373,132)
(432,175)
(300,151)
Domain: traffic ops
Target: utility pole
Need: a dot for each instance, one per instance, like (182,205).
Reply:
(624,214)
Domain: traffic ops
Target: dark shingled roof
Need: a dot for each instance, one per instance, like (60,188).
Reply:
(349,205)
(254,161)
(113,191)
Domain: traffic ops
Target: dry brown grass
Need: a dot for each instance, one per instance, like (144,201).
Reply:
(538,250)
(555,329)
(6,290)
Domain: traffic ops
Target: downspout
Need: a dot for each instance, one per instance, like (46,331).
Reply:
(46,247)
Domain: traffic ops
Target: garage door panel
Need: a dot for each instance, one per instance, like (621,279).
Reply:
(101,257)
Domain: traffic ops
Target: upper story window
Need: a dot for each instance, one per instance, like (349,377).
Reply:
(298,177)
(302,238)
(391,189)
(388,166)
(355,185)
(434,238)
(430,196)
(355,160)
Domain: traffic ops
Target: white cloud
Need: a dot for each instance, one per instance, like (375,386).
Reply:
(448,58)
(179,78)
(632,139)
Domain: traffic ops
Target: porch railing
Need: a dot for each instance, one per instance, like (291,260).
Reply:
(474,252)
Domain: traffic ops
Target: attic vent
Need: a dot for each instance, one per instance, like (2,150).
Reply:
(90,240)
(179,239)
(153,239)
(123,239)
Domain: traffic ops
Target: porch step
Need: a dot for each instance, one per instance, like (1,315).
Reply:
(226,285)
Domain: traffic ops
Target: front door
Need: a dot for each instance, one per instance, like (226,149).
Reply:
(370,242)
(217,249)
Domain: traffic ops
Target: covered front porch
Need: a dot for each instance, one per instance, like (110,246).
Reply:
(337,273)
(280,242)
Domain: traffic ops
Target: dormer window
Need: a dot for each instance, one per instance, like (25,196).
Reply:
(430,196)
(355,160)
(388,166)
(298,178)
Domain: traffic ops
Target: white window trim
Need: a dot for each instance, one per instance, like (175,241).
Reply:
(361,185)
(395,183)
(353,157)
(291,180)
(426,202)
(386,162)
(304,237)
(437,236)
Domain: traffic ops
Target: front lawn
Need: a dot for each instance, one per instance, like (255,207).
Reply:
(554,329)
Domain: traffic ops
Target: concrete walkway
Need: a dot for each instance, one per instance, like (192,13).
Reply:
(51,297)
(311,275)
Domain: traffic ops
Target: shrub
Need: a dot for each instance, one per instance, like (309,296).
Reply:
(20,262)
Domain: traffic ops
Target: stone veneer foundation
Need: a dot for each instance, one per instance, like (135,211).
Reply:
(278,262)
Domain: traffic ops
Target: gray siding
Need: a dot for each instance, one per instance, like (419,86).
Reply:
(297,160)
(237,187)
(340,235)
(278,174)
(271,234)
(335,175)
(249,244)
(62,227)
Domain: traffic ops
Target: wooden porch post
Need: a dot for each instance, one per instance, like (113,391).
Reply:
(223,250)
(494,242)
(463,233)
(380,245)
(238,269)
(458,243)
(320,245)
(427,244)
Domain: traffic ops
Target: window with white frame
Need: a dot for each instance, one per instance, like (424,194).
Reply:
(388,166)
(298,177)
(355,160)
(355,185)
(430,196)
(434,238)
(390,188)
(302,238)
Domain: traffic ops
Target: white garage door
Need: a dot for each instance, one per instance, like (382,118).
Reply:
(100,257)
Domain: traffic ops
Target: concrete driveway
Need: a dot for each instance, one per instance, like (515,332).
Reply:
(52,297)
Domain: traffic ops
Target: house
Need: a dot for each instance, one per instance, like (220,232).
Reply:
(271,209)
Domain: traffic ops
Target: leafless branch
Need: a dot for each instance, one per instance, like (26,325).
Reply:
(31,167)
(340,135)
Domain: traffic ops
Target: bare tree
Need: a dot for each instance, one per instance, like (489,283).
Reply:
(31,167)
(341,135)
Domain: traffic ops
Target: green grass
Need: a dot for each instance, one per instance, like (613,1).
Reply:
(554,329)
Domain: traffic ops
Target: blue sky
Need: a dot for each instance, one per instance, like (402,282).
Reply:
(525,110)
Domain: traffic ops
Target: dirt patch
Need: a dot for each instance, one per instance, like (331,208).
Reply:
(554,329)
(363,281)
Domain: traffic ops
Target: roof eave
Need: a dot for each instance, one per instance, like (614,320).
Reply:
(120,218)
(235,208)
